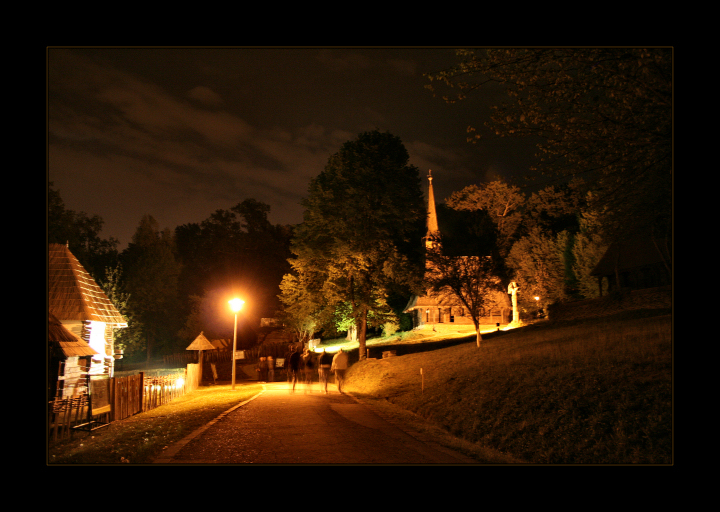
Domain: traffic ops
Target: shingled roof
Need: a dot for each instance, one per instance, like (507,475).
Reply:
(62,340)
(73,294)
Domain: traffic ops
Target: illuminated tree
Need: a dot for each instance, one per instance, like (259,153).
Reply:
(129,339)
(502,202)
(470,282)
(303,306)
(601,113)
(537,260)
(364,218)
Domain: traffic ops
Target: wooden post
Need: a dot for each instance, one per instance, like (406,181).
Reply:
(142,391)
(200,366)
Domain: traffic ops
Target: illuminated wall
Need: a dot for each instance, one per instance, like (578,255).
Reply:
(97,341)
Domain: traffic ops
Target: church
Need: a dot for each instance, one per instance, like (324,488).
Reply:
(428,312)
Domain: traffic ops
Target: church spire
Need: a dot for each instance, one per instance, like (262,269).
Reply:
(432,224)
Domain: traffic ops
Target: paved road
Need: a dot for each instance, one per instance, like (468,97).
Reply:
(305,426)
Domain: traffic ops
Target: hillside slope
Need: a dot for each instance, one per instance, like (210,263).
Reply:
(594,392)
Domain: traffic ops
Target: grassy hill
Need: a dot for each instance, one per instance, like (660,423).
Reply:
(592,392)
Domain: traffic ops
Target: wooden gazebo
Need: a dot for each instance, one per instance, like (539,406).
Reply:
(200,343)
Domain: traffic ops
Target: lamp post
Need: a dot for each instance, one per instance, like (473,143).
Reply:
(236,305)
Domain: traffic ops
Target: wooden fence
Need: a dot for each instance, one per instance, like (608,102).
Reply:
(125,396)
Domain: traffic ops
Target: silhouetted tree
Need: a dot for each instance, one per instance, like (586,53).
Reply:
(502,202)
(152,281)
(604,114)
(81,233)
(237,250)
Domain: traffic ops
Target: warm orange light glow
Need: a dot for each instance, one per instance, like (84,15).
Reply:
(236,304)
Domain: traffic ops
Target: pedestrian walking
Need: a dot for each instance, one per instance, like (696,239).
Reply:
(324,365)
(286,364)
(262,370)
(339,366)
(294,366)
(308,365)
(271,368)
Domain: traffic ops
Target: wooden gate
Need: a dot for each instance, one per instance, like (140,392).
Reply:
(127,396)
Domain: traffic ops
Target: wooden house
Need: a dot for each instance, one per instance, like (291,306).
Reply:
(68,359)
(635,264)
(428,311)
(82,308)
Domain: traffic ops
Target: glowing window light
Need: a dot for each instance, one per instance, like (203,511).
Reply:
(97,339)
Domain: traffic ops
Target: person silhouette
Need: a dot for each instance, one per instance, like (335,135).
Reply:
(294,366)
(324,365)
(339,366)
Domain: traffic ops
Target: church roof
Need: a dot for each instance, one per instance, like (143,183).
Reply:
(427,300)
(432,223)
(73,294)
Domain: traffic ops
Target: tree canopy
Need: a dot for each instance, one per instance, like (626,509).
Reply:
(81,233)
(604,114)
(152,272)
(360,237)
(237,250)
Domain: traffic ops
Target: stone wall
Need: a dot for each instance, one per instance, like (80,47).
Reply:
(624,300)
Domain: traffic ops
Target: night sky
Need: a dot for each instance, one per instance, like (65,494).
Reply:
(179,133)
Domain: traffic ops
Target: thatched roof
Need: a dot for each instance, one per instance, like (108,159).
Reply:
(73,294)
(62,340)
(201,343)
(222,344)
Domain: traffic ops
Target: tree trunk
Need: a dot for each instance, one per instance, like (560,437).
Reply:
(362,332)
(478,336)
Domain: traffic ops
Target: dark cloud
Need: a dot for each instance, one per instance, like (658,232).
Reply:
(180,133)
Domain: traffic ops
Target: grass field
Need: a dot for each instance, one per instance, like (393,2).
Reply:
(141,438)
(596,392)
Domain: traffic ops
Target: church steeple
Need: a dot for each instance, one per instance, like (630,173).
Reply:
(432,224)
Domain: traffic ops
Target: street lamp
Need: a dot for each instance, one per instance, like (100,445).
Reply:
(236,305)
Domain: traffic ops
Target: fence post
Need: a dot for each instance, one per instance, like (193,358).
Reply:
(113,398)
(142,391)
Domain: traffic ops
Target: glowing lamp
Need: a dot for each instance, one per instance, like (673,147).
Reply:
(236,305)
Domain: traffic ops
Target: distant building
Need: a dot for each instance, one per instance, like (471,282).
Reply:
(427,311)
(635,264)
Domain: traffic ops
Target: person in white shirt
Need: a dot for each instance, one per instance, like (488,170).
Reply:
(339,366)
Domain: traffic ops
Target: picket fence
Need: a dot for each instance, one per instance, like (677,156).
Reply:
(123,397)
